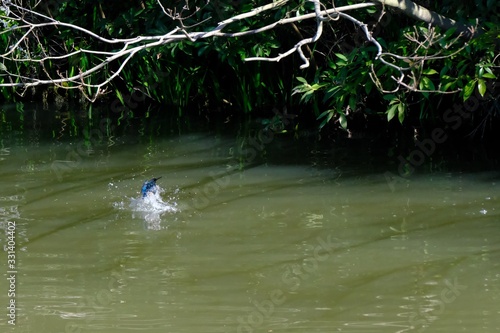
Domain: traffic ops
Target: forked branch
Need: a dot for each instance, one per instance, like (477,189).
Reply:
(24,26)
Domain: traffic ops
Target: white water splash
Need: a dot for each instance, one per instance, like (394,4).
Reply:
(151,208)
(153,203)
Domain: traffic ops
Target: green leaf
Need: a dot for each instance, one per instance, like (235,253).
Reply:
(342,120)
(317,86)
(395,101)
(481,86)
(301,79)
(489,76)
(120,97)
(444,70)
(202,50)
(389,97)
(401,112)
(342,61)
(341,56)
(469,89)
(391,112)
(447,85)
(429,71)
(306,96)
(426,84)
(332,92)
(328,114)
(323,114)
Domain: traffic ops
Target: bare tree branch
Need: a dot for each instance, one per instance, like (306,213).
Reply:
(421,13)
(29,28)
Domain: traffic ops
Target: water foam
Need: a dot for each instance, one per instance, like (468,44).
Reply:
(151,208)
(153,203)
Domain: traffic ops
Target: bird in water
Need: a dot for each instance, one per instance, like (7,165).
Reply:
(149,186)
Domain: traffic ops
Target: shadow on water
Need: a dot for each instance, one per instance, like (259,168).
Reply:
(248,233)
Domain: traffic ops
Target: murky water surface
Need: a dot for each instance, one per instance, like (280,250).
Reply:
(241,238)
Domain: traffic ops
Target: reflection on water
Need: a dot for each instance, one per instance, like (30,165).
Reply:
(310,245)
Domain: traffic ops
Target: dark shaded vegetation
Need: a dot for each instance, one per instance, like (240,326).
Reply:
(336,92)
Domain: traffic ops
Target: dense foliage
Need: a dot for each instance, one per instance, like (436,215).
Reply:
(344,80)
(454,70)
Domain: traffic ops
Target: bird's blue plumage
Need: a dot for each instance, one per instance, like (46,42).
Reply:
(149,186)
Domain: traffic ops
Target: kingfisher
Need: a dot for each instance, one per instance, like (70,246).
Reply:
(149,186)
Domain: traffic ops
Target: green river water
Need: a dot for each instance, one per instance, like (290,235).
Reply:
(281,235)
